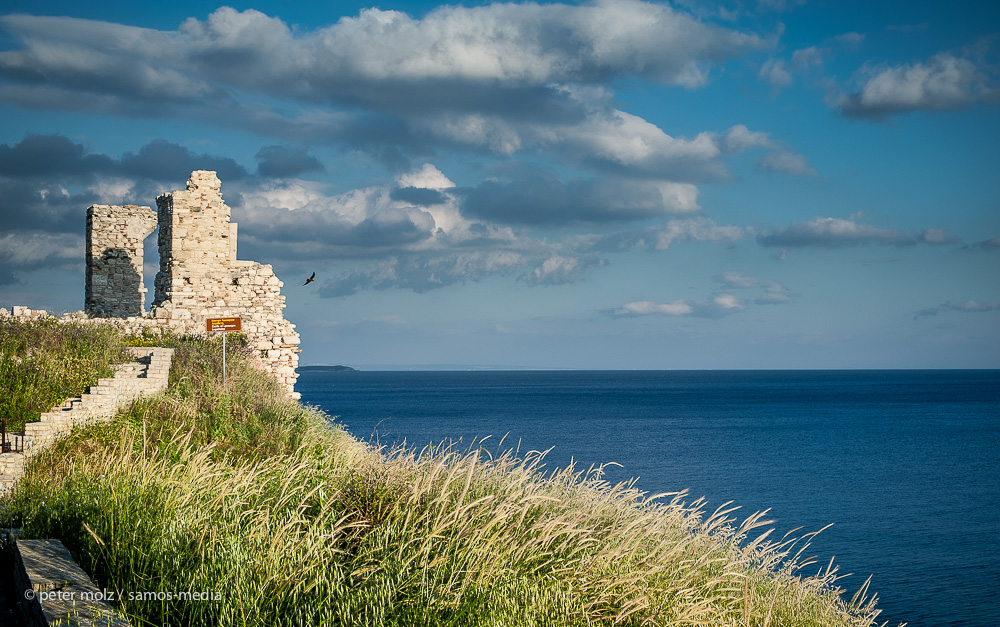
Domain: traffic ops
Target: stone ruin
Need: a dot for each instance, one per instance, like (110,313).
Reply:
(199,276)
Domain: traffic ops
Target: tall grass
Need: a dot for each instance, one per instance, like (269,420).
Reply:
(238,493)
(44,362)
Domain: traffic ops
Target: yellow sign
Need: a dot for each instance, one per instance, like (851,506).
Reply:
(218,325)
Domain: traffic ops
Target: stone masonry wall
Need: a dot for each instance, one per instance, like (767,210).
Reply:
(201,278)
(114,259)
(195,244)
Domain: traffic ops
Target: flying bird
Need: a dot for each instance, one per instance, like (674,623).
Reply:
(310,279)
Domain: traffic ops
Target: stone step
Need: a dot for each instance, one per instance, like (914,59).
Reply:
(130,381)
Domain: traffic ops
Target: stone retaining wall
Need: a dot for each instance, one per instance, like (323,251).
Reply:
(146,376)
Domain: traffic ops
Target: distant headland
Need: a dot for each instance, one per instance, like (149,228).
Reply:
(328,369)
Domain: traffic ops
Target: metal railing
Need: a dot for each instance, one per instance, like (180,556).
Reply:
(11,435)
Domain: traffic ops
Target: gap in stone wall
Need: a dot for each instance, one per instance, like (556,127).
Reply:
(150,266)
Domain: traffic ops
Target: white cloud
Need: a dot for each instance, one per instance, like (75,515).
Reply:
(786,163)
(698,229)
(500,77)
(969,306)
(774,294)
(32,249)
(739,139)
(627,141)
(717,306)
(830,232)
(513,43)
(945,81)
(937,236)
(559,269)
(775,73)
(734,279)
(851,40)
(813,56)
(646,307)
(427,177)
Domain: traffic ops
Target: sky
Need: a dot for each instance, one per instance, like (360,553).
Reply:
(614,184)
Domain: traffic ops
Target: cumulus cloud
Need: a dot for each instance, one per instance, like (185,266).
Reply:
(424,271)
(813,56)
(537,198)
(775,73)
(734,279)
(838,232)
(695,229)
(561,270)
(411,235)
(945,81)
(50,155)
(807,62)
(29,250)
(717,306)
(160,158)
(969,306)
(937,237)
(739,139)
(773,293)
(831,233)
(48,181)
(501,78)
(285,162)
(418,232)
(786,163)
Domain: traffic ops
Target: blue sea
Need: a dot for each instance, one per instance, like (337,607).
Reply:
(905,464)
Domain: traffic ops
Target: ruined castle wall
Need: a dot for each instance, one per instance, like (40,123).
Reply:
(114,259)
(200,277)
(194,243)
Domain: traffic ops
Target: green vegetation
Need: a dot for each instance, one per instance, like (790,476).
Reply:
(236,491)
(45,362)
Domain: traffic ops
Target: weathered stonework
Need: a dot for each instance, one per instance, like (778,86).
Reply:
(114,259)
(199,275)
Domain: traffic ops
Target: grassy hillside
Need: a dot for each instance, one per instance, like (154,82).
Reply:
(282,519)
(43,363)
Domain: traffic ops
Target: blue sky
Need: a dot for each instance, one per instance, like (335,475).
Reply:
(612,184)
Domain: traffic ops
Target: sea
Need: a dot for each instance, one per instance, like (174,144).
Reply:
(905,464)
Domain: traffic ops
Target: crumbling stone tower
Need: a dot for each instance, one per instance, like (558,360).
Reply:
(197,245)
(199,275)
(114,259)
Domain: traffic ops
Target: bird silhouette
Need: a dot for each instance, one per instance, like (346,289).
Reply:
(310,279)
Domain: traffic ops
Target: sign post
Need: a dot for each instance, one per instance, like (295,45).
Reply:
(223,325)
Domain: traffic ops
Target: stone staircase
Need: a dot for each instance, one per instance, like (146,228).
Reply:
(145,376)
